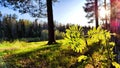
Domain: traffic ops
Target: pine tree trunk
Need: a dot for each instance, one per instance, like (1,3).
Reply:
(96,13)
(51,34)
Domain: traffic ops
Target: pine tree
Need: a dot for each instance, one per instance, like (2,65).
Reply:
(91,8)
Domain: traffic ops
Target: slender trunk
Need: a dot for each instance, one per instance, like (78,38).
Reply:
(105,6)
(51,34)
(96,13)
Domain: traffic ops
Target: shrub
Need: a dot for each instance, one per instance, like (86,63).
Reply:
(74,38)
(95,46)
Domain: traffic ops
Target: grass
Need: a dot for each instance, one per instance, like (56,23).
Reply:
(19,54)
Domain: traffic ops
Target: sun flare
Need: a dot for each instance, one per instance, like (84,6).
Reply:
(103,12)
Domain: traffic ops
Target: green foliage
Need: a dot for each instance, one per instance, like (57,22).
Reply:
(74,38)
(116,65)
(98,35)
(82,57)
(95,46)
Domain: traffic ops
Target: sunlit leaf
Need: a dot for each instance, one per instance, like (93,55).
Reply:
(82,57)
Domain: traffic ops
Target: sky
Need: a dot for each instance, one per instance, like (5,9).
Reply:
(65,11)
(70,11)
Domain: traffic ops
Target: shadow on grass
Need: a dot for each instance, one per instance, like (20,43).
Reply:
(45,47)
(48,56)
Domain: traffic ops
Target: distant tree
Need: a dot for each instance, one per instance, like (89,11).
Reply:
(44,25)
(21,29)
(36,8)
(0,25)
(7,27)
(67,26)
(91,8)
(0,15)
(14,16)
(28,29)
(60,27)
(13,26)
(40,30)
(36,29)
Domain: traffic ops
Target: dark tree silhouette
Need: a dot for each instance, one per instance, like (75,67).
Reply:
(0,25)
(36,8)
(96,13)
(91,8)
(51,33)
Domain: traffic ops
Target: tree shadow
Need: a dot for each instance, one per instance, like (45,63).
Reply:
(31,58)
(49,56)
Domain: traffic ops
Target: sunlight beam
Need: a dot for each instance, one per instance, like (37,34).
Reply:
(104,12)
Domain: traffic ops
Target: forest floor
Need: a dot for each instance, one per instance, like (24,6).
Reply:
(19,54)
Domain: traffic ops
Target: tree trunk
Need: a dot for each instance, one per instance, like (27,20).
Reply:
(51,33)
(96,13)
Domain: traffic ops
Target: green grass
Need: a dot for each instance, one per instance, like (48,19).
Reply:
(19,54)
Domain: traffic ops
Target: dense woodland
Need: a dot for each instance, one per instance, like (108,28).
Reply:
(11,28)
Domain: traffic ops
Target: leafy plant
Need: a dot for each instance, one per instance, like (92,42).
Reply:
(116,65)
(74,38)
(95,46)
(82,57)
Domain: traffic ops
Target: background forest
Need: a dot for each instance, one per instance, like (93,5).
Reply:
(11,28)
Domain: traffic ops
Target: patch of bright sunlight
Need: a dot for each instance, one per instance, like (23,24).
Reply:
(21,46)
